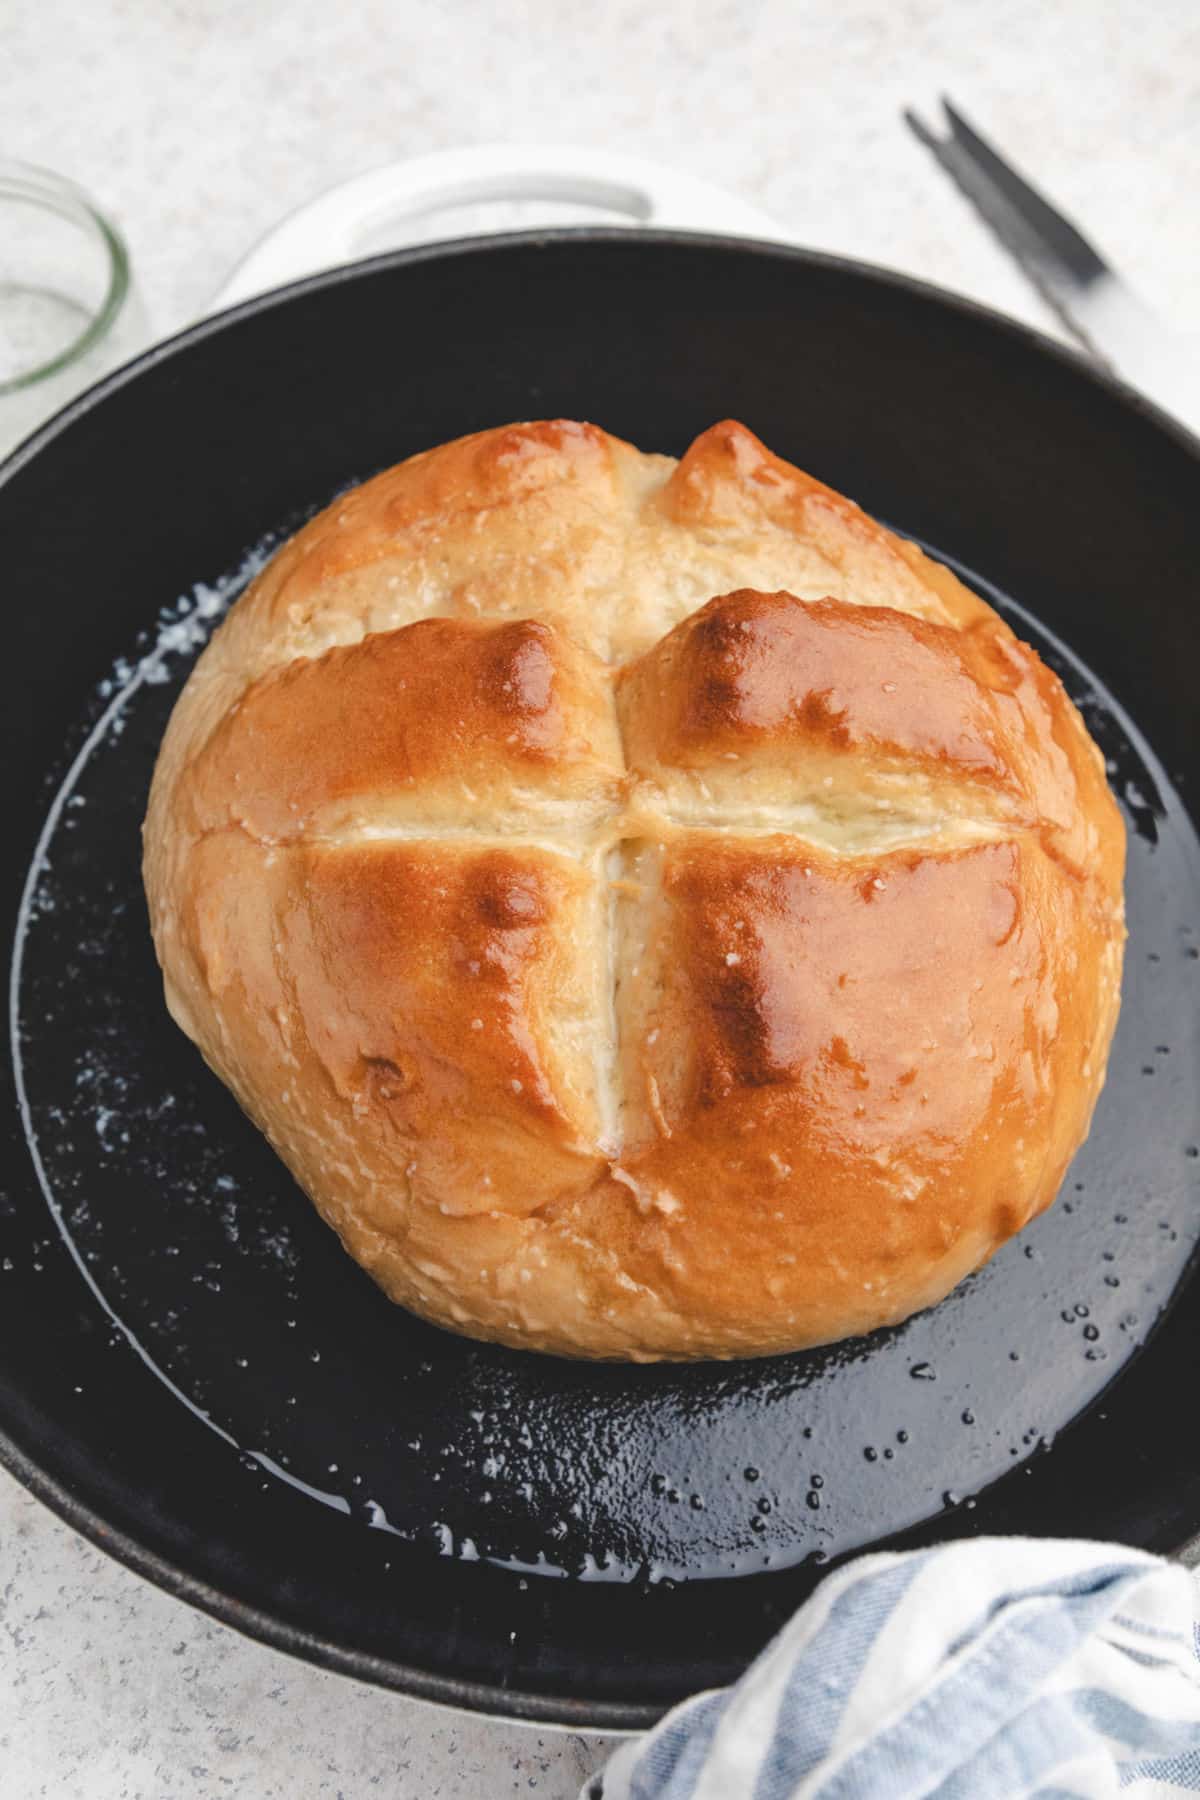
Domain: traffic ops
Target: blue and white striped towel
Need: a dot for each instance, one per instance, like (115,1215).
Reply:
(993,1669)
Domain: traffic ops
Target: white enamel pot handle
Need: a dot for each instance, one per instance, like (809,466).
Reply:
(347,222)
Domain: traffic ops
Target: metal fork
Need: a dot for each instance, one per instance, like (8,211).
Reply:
(1099,310)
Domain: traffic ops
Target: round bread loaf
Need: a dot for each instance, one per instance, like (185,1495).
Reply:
(653,910)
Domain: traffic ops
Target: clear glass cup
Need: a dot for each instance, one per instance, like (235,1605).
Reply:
(68,309)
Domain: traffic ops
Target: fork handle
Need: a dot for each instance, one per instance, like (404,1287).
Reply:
(1124,333)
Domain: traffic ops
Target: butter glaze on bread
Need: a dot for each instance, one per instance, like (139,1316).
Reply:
(653,910)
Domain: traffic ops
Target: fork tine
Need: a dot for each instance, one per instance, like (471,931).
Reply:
(957,162)
(920,129)
(1059,234)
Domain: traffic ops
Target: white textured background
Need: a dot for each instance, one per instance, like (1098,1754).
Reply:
(197,126)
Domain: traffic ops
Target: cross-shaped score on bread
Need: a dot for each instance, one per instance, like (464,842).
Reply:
(653,909)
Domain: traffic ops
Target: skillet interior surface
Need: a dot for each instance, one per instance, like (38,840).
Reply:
(191,1370)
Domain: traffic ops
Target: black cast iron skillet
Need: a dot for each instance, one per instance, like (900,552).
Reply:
(191,1371)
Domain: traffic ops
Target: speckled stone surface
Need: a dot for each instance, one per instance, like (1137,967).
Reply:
(198,125)
(110,1690)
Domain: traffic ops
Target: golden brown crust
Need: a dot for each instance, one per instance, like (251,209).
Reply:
(729,481)
(652,909)
(436,719)
(764,679)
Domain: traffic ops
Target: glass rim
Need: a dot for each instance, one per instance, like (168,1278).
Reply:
(54,192)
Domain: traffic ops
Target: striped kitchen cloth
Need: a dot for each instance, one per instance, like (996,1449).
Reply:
(992,1669)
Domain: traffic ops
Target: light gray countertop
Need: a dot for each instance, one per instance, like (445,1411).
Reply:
(198,124)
